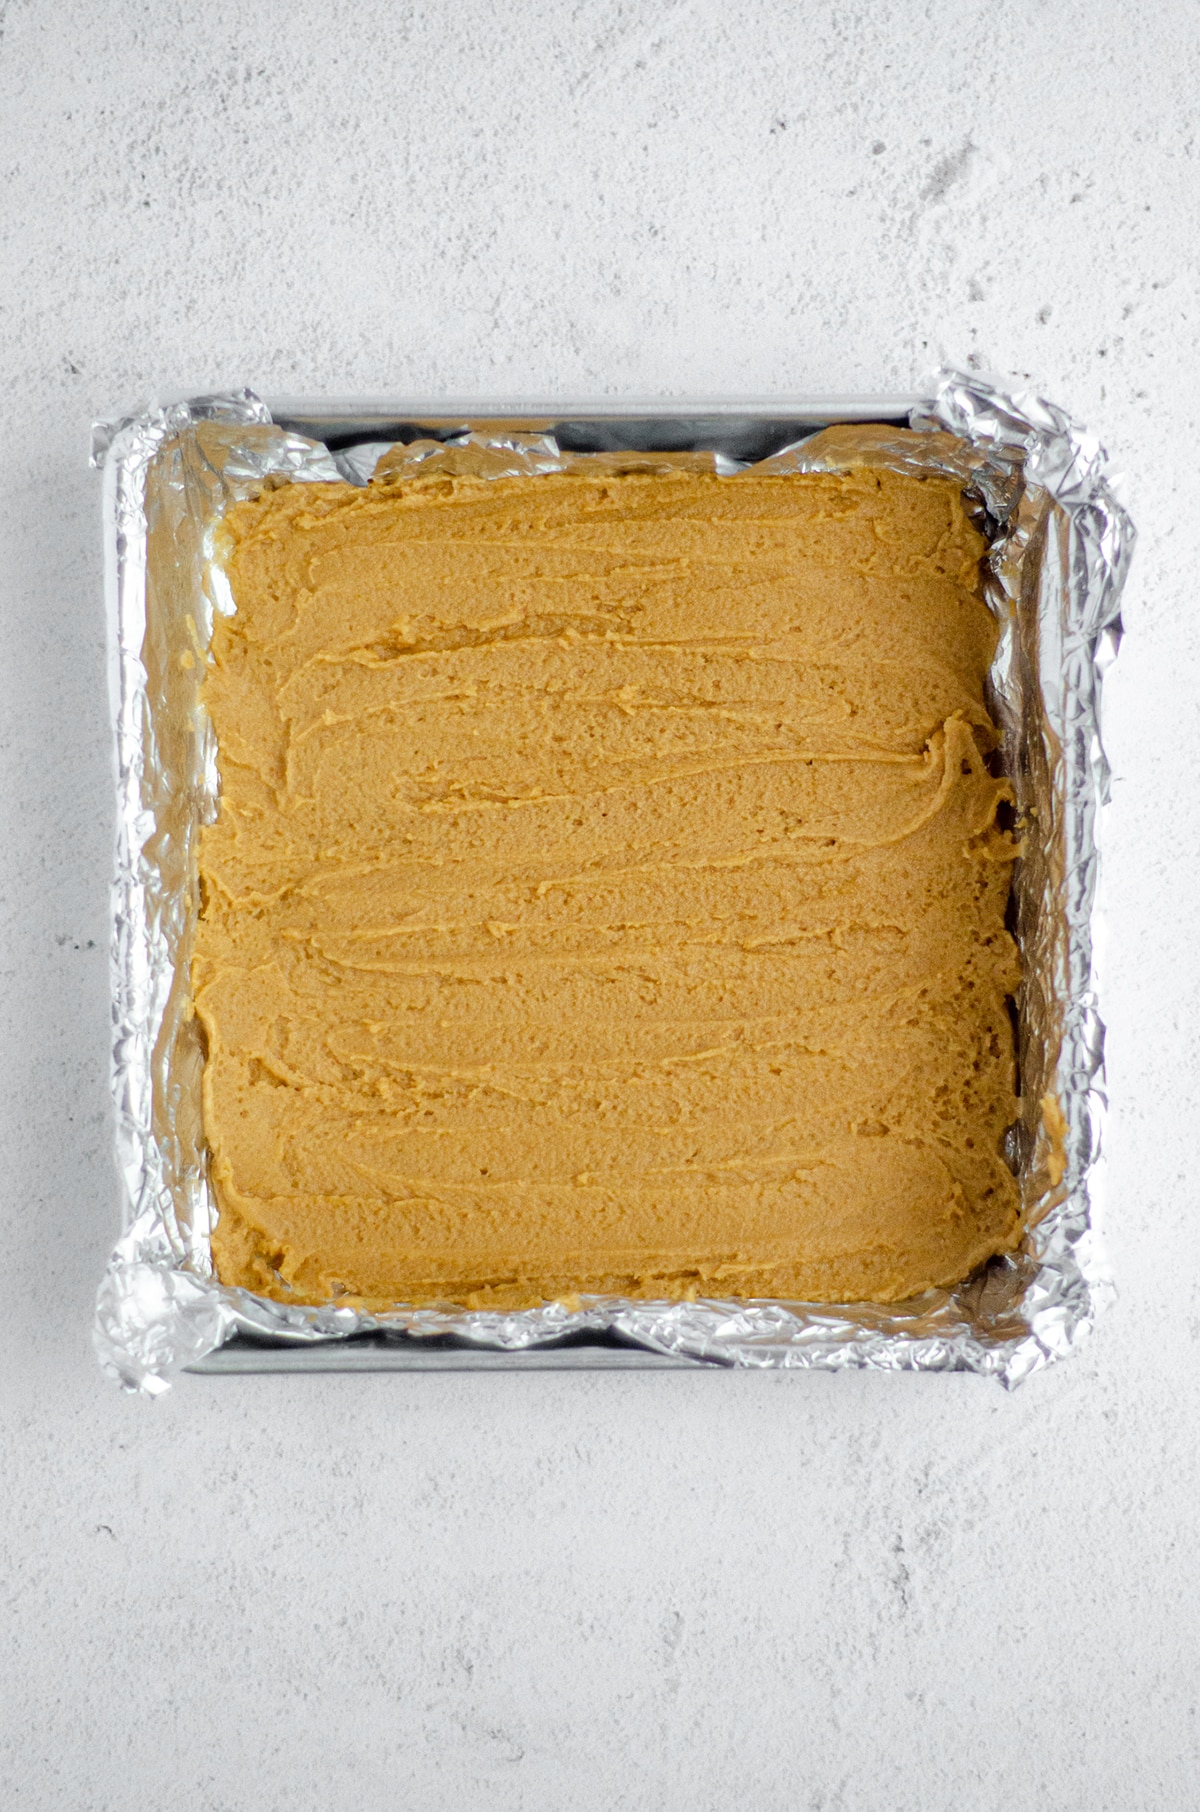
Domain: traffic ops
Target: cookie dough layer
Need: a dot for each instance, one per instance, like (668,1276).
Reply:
(607,893)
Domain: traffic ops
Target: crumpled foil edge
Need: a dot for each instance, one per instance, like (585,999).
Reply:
(1061,544)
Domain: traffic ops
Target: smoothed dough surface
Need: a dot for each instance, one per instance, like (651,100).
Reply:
(607,893)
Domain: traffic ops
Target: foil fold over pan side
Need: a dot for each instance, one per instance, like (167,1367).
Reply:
(1060,548)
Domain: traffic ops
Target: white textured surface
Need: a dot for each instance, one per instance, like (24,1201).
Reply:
(854,1594)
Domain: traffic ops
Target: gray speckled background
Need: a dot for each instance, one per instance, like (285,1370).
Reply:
(839,1594)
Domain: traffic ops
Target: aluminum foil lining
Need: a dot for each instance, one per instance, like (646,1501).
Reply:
(1060,545)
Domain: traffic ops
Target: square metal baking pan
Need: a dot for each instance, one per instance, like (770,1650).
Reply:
(1059,558)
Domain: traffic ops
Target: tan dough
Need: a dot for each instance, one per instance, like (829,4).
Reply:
(606,893)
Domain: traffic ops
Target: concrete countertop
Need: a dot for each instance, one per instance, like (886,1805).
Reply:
(670,1589)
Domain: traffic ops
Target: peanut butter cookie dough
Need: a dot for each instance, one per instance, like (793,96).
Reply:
(607,892)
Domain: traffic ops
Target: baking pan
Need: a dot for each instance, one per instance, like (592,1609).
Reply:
(1060,548)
